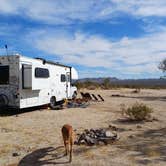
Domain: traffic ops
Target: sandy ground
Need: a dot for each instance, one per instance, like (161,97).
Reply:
(33,138)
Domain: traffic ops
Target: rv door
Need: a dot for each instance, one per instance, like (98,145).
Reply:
(26,76)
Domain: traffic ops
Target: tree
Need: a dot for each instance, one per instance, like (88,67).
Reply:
(106,83)
(162,65)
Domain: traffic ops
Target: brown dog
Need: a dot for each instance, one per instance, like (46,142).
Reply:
(68,138)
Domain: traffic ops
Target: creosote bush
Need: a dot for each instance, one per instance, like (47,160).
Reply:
(138,111)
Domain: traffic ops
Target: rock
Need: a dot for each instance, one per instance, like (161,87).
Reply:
(155,119)
(5,130)
(113,127)
(90,141)
(15,154)
(138,126)
(96,137)
(109,134)
(131,136)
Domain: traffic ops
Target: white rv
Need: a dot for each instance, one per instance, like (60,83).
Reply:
(28,82)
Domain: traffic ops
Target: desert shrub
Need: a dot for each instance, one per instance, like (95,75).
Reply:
(138,111)
(162,65)
(106,83)
(92,87)
(87,84)
(138,90)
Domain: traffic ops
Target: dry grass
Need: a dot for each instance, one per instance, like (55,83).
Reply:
(36,135)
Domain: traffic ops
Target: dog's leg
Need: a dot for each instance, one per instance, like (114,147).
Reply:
(71,149)
(66,152)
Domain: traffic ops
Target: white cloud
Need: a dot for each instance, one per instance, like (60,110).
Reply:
(69,11)
(54,12)
(127,55)
(141,8)
(7,7)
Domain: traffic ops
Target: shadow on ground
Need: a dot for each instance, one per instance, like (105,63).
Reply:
(50,156)
(150,146)
(145,98)
(126,121)
(44,156)
(12,111)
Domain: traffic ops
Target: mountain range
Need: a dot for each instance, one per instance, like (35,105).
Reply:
(161,82)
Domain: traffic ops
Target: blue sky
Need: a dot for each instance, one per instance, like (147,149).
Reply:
(100,38)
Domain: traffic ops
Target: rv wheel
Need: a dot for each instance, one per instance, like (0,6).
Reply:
(53,102)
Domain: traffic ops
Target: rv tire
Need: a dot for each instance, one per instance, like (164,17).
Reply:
(56,104)
(53,102)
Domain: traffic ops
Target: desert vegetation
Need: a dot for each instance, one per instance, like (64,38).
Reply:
(34,137)
(106,83)
(137,112)
(162,65)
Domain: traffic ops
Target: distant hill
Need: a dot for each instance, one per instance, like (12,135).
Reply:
(98,80)
(129,82)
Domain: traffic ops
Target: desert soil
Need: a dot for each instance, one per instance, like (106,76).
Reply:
(33,138)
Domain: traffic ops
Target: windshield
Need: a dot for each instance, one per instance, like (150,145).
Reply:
(4,75)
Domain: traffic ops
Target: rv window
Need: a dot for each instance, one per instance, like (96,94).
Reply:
(63,78)
(4,75)
(41,73)
(26,76)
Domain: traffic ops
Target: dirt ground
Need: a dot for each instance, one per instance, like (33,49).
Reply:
(33,138)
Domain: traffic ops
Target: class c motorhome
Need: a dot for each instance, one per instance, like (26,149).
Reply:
(28,82)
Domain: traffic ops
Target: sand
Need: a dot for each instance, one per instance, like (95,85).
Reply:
(34,138)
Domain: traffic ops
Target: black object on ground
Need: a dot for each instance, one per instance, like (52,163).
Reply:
(95,97)
(78,103)
(117,95)
(101,97)
(86,96)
